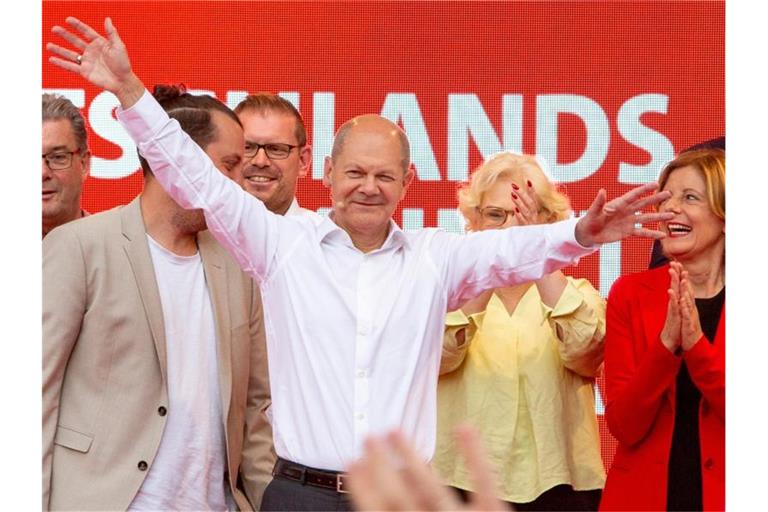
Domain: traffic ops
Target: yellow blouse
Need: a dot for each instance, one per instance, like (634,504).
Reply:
(530,394)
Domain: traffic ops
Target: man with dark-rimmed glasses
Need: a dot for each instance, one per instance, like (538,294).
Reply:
(66,161)
(276,152)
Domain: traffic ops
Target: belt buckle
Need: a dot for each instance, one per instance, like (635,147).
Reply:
(340,478)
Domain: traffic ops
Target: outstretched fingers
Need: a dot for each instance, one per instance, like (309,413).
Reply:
(69,37)
(83,28)
(651,200)
(648,233)
(65,53)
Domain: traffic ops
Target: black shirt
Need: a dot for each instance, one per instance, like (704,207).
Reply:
(684,490)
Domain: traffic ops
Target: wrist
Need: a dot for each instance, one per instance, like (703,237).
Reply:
(581,235)
(130,91)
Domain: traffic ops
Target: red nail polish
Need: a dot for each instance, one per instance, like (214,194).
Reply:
(529,183)
(517,210)
(514,196)
(514,186)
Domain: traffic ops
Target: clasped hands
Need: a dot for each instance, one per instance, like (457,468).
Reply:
(682,328)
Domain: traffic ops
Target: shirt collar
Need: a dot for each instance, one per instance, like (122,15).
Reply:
(330,231)
(294,209)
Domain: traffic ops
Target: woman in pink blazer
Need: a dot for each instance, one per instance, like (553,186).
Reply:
(665,354)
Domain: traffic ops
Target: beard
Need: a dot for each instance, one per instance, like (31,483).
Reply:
(189,221)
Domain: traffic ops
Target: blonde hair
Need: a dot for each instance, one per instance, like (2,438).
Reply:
(711,163)
(554,204)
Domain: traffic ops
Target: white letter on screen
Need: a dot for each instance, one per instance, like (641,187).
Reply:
(636,133)
(405,107)
(107,127)
(323,119)
(548,107)
(512,112)
(466,117)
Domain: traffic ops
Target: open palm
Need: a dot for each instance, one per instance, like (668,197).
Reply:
(103,60)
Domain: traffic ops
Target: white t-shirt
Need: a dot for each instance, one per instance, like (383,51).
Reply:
(188,470)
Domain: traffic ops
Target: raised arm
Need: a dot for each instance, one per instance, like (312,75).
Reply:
(239,221)
(506,257)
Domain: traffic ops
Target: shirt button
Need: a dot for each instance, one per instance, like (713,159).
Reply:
(360,373)
(709,463)
(162,411)
(360,416)
(142,465)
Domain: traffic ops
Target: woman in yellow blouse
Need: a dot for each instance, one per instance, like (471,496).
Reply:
(519,363)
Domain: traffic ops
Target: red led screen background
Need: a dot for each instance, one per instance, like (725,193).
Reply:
(605,93)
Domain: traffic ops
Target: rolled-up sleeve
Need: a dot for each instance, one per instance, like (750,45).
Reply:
(578,318)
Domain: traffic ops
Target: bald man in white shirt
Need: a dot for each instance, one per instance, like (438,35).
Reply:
(358,303)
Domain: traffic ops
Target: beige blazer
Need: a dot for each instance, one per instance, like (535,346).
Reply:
(104,365)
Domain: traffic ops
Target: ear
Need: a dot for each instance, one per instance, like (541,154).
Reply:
(305,158)
(327,169)
(410,173)
(86,166)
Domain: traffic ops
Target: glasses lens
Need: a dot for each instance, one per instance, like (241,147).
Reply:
(58,161)
(494,216)
(277,151)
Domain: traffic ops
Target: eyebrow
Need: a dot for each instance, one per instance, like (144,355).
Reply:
(57,148)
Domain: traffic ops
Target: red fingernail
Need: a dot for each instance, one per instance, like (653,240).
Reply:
(514,196)
(517,210)
(514,186)
(529,183)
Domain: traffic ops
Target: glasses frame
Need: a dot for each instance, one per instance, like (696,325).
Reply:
(71,154)
(259,147)
(507,213)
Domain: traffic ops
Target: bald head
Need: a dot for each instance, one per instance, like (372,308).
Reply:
(371,124)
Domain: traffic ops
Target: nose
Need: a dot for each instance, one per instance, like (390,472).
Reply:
(46,170)
(260,159)
(369,186)
(671,205)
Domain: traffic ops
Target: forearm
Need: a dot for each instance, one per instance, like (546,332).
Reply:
(506,257)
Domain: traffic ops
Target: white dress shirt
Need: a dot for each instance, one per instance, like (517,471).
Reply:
(295,209)
(353,339)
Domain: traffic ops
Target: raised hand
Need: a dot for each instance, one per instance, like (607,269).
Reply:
(690,328)
(526,204)
(103,61)
(611,221)
(670,333)
(392,476)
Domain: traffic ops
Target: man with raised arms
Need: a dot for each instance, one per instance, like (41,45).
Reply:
(357,302)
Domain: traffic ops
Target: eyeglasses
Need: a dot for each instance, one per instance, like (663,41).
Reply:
(274,151)
(59,160)
(494,216)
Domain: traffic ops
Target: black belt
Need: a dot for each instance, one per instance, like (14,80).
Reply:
(334,480)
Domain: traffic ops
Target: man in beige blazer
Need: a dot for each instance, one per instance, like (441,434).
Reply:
(105,369)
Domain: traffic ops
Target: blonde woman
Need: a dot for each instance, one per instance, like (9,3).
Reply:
(519,363)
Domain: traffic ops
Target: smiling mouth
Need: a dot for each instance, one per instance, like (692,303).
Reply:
(260,180)
(677,230)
